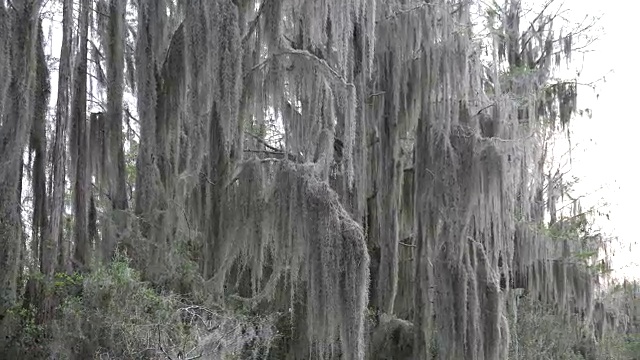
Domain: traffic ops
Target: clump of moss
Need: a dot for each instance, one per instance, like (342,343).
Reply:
(392,338)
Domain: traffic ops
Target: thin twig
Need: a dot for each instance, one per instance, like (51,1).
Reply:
(291,157)
(403,11)
(129,116)
(12,6)
(320,62)
(268,152)
(377,94)
(225,335)
(405,241)
(484,108)
(160,345)
(399,12)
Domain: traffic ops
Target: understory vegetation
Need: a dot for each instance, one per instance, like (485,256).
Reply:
(298,179)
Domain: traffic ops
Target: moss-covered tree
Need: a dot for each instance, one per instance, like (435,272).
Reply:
(370,176)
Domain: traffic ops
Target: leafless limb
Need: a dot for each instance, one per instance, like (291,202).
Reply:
(320,63)
(261,141)
(273,150)
(254,23)
(406,241)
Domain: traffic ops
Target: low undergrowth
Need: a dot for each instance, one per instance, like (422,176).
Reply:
(110,313)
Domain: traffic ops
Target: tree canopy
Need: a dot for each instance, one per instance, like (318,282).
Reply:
(293,179)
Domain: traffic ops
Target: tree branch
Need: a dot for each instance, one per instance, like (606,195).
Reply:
(254,23)
(274,150)
(262,141)
(320,63)
(405,242)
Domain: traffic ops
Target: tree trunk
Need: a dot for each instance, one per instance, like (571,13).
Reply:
(148,178)
(14,134)
(79,139)
(39,146)
(115,73)
(5,63)
(55,244)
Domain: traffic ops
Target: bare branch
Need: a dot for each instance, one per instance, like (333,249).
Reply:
(320,63)
(274,150)
(254,23)
(262,141)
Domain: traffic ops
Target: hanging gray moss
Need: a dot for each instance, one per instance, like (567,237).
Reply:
(472,175)
(391,338)
(392,123)
(288,229)
(405,139)
(5,63)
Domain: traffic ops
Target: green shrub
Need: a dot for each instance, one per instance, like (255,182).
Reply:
(28,335)
(116,314)
(632,346)
(110,312)
(542,333)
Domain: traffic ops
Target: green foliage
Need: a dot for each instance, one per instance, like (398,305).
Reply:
(613,346)
(586,255)
(29,334)
(116,314)
(518,73)
(541,332)
(601,267)
(632,346)
(65,284)
(570,228)
(111,313)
